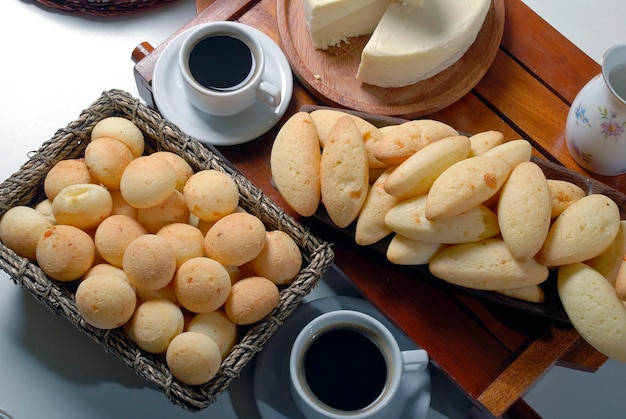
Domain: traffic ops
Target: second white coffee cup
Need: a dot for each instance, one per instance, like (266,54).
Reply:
(347,364)
(221,65)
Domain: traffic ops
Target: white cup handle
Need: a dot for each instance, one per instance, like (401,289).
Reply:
(415,360)
(269,94)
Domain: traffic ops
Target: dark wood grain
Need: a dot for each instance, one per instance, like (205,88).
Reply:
(546,53)
(516,380)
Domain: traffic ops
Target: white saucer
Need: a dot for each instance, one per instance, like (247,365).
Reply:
(219,130)
(271,374)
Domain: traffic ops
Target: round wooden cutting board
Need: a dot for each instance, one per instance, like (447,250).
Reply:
(331,74)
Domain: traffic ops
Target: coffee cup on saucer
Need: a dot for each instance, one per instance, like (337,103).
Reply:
(222,69)
(347,364)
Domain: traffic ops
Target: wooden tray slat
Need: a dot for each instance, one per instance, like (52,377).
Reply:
(546,53)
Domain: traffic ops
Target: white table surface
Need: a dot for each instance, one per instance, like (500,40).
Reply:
(54,65)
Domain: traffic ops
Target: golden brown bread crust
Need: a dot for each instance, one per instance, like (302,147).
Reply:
(524,210)
(295,163)
(344,172)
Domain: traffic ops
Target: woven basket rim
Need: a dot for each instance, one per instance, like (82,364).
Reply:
(25,187)
(104,7)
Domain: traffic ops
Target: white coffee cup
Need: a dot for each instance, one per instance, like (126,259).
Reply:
(326,386)
(222,65)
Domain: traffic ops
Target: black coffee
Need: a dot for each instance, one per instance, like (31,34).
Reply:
(345,369)
(221,62)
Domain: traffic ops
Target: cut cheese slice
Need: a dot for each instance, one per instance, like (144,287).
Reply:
(411,43)
(412,40)
(331,22)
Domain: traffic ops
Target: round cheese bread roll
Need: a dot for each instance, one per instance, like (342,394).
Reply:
(105,301)
(235,239)
(105,269)
(370,224)
(121,207)
(106,160)
(513,152)
(64,173)
(583,231)
(202,284)
(203,225)
(210,195)
(21,228)
(172,210)
(408,218)
(155,323)
(65,252)
(415,175)
(82,205)
(193,358)
(251,299)
(401,141)
(149,262)
(113,236)
(235,273)
(295,163)
(186,240)
(45,208)
(608,263)
(122,130)
(531,293)
(344,174)
(147,181)
(524,210)
(166,292)
(280,259)
(562,195)
(465,184)
(486,265)
(218,327)
(620,281)
(181,167)
(484,141)
(404,251)
(325,119)
(594,309)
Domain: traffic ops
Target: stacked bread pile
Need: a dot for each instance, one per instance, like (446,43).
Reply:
(155,248)
(476,209)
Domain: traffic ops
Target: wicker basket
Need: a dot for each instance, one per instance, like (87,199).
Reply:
(104,7)
(25,188)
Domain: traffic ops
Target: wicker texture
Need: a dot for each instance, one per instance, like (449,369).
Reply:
(25,187)
(103,7)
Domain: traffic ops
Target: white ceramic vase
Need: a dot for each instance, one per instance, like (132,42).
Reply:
(595,131)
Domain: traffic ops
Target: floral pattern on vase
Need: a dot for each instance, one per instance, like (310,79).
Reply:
(611,127)
(580,115)
(595,130)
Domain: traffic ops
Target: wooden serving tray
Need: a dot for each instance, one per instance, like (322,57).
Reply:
(330,74)
(524,95)
(552,308)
